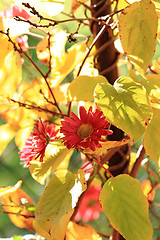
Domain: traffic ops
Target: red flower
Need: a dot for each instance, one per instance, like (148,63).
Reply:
(37,142)
(90,207)
(86,131)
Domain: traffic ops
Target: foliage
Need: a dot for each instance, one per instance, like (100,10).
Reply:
(63,116)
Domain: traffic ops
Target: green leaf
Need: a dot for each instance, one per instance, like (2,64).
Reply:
(125,104)
(54,155)
(59,198)
(137,29)
(82,88)
(152,137)
(126,207)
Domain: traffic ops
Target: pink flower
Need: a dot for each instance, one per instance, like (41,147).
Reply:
(90,207)
(86,131)
(23,42)
(37,142)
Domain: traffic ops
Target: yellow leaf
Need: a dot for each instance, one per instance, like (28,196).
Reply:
(137,30)
(152,137)
(57,49)
(87,69)
(147,189)
(54,156)
(6,135)
(71,59)
(16,202)
(55,206)
(152,85)
(22,135)
(10,68)
(132,160)
(20,122)
(60,92)
(56,232)
(82,88)
(77,232)
(108,145)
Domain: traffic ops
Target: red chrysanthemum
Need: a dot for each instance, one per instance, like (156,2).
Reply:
(86,131)
(90,207)
(37,142)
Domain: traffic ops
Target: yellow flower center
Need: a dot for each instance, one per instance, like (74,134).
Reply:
(85,130)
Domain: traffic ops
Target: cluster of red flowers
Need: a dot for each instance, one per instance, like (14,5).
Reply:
(79,133)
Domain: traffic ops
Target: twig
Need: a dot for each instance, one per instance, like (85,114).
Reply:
(141,153)
(55,22)
(40,109)
(50,55)
(103,29)
(20,50)
(49,88)
(70,37)
(153,174)
(154,214)
(103,235)
(98,162)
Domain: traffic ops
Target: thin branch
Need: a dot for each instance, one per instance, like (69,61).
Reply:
(20,50)
(40,109)
(103,235)
(105,21)
(154,214)
(141,153)
(98,162)
(71,35)
(55,22)
(49,88)
(50,55)
(103,29)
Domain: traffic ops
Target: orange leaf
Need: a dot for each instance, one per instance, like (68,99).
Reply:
(76,232)
(16,203)
(147,189)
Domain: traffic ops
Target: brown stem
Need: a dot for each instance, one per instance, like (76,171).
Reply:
(49,88)
(40,109)
(137,164)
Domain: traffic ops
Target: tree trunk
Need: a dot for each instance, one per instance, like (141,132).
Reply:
(106,63)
